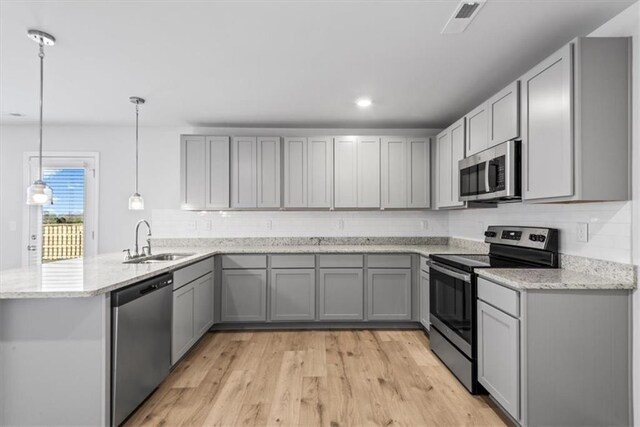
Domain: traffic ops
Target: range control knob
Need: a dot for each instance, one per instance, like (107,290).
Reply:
(490,234)
(533,237)
(541,238)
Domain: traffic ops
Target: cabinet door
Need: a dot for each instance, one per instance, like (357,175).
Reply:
(444,171)
(319,178)
(457,154)
(217,172)
(424,300)
(499,356)
(192,172)
(293,294)
(345,183)
(243,173)
(393,165)
(341,294)
(203,308)
(268,173)
(244,296)
(547,138)
(418,173)
(368,164)
(477,129)
(389,294)
(295,172)
(183,329)
(504,115)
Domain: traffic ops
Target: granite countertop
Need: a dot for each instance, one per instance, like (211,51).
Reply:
(92,276)
(551,278)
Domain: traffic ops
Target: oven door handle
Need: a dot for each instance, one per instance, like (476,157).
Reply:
(450,272)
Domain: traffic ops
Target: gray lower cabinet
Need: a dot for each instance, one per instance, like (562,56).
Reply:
(424,300)
(341,294)
(293,294)
(389,294)
(499,356)
(204,305)
(244,296)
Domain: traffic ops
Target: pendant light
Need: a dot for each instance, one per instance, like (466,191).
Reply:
(39,193)
(136,202)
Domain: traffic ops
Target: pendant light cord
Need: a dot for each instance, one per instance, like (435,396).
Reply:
(41,55)
(136,148)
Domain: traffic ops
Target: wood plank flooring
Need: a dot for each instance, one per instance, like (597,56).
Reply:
(313,378)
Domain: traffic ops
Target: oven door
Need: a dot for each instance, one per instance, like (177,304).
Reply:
(451,304)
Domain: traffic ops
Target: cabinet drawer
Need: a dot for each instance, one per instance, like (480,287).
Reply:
(244,261)
(293,261)
(499,296)
(341,261)
(389,261)
(424,264)
(190,273)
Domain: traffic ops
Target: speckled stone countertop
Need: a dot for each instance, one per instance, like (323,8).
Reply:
(101,274)
(549,278)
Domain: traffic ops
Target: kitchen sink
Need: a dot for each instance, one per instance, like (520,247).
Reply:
(157,258)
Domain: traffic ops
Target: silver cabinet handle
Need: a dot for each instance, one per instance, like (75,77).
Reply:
(452,273)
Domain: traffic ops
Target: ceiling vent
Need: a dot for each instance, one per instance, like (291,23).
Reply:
(462,16)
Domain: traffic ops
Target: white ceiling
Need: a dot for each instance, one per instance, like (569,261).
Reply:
(275,63)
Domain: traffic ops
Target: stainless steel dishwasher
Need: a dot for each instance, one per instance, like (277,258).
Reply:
(141,343)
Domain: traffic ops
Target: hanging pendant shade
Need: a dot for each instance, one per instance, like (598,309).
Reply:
(39,193)
(136,202)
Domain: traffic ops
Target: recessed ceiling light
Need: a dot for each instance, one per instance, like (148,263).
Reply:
(363,102)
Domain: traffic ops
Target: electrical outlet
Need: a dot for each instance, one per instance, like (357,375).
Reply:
(269,224)
(582,232)
(190,225)
(205,225)
(341,224)
(425,224)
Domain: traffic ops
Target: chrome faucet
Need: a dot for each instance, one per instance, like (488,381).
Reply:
(148,247)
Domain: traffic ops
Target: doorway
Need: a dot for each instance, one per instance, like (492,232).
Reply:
(67,228)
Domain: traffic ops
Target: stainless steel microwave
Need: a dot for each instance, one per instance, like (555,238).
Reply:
(492,174)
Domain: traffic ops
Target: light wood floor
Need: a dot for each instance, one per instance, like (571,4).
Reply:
(309,378)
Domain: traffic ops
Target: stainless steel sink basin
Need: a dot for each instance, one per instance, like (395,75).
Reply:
(157,258)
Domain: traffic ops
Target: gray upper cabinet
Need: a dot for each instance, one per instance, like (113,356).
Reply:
(499,356)
(389,293)
(268,173)
(477,129)
(244,192)
(418,173)
(244,296)
(345,172)
(575,123)
(368,166)
(449,151)
(293,294)
(394,172)
(204,172)
(308,172)
(504,115)
(341,294)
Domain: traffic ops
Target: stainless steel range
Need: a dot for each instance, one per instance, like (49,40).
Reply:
(453,291)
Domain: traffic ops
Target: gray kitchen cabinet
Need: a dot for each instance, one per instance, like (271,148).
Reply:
(575,123)
(389,293)
(204,172)
(424,300)
(244,172)
(183,328)
(293,294)
(504,115)
(204,305)
(308,172)
(499,356)
(418,173)
(449,151)
(341,294)
(477,137)
(244,296)
(268,173)
(345,172)
(368,166)
(393,173)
